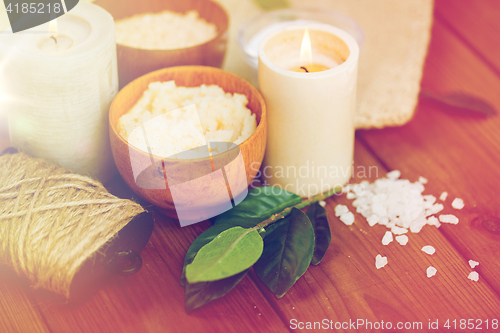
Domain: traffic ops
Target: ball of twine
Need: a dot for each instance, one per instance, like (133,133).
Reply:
(51,220)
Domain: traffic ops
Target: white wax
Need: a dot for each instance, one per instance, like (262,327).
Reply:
(59,94)
(317,59)
(73,31)
(252,47)
(55,43)
(310,115)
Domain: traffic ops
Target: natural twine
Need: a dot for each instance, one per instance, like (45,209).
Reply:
(51,220)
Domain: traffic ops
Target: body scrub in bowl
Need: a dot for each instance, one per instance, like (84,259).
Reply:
(189,137)
(164,31)
(176,119)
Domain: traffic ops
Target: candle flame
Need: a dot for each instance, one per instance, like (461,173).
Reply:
(53,27)
(305,49)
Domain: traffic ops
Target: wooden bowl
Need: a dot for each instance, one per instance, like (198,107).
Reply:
(134,62)
(252,149)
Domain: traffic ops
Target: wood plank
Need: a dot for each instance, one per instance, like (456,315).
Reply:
(458,154)
(477,22)
(18,313)
(346,284)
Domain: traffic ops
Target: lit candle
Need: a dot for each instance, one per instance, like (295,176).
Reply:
(59,85)
(310,112)
(307,65)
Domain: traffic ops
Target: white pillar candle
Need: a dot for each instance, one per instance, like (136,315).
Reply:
(310,115)
(58,95)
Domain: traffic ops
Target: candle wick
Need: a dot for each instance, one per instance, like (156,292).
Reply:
(305,69)
(54,38)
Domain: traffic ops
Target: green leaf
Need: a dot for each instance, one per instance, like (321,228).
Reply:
(288,250)
(261,202)
(231,252)
(322,234)
(272,4)
(208,235)
(198,294)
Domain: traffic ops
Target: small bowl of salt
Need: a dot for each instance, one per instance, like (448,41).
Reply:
(154,34)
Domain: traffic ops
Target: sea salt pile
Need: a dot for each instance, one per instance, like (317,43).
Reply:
(395,203)
(400,206)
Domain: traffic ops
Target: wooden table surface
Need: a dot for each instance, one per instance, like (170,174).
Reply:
(456,153)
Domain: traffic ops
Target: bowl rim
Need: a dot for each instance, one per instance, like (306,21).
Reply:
(257,93)
(219,34)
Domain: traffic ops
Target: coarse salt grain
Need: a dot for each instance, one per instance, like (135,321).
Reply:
(380,261)
(429,249)
(458,203)
(372,220)
(436,208)
(448,218)
(347,218)
(403,239)
(422,180)
(431,271)
(387,238)
(383,220)
(432,220)
(417,225)
(350,196)
(443,196)
(322,203)
(429,201)
(395,174)
(473,263)
(399,231)
(474,276)
(340,210)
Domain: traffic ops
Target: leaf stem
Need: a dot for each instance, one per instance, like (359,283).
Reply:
(301,205)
